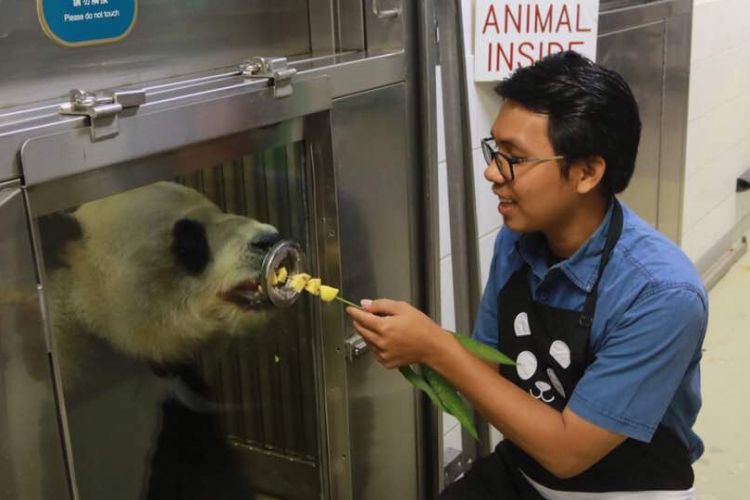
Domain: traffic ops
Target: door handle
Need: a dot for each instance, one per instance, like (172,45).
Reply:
(355,347)
(384,14)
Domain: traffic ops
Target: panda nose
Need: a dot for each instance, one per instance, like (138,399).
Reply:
(264,241)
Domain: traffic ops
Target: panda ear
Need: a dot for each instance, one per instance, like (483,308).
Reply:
(57,231)
(190,246)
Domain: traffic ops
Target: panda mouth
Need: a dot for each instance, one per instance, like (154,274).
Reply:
(247,295)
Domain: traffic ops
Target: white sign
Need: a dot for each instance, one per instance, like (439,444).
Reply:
(510,34)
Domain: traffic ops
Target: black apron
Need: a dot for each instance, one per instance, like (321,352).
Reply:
(551,349)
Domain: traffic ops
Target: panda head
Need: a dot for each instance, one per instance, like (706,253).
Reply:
(160,270)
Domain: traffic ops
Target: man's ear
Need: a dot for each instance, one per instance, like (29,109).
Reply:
(588,174)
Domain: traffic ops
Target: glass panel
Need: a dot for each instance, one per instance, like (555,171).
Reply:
(178,382)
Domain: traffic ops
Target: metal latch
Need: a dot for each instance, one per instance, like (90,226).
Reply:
(355,347)
(102,108)
(384,13)
(274,68)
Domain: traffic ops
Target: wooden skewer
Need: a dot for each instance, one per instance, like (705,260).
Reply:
(343,300)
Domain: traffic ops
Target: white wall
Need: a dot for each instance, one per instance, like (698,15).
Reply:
(483,107)
(718,139)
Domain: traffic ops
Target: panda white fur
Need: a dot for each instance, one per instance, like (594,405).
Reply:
(156,272)
(137,280)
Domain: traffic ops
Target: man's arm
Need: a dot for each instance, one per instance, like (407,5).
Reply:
(400,335)
(624,392)
(563,443)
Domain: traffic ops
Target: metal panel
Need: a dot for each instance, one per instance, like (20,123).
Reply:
(606,5)
(649,43)
(385,26)
(209,118)
(74,190)
(422,116)
(348,74)
(328,234)
(31,457)
(170,38)
(322,32)
(370,144)
(643,69)
(350,28)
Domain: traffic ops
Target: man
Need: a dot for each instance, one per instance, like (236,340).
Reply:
(603,315)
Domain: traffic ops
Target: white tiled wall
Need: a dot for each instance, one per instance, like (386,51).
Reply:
(718,140)
(483,107)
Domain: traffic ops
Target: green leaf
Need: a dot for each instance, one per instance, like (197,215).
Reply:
(420,383)
(483,351)
(450,399)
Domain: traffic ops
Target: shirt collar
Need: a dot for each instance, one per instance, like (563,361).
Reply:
(580,268)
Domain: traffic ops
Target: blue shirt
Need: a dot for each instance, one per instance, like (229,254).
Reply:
(648,328)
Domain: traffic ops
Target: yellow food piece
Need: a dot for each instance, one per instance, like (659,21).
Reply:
(298,281)
(281,275)
(313,286)
(328,293)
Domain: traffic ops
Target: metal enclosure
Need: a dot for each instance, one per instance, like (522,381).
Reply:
(648,42)
(327,150)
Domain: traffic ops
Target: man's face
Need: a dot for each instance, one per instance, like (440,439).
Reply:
(538,197)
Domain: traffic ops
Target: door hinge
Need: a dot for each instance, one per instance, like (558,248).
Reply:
(102,109)
(275,69)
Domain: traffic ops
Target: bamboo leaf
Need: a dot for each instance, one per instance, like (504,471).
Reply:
(483,351)
(420,383)
(451,400)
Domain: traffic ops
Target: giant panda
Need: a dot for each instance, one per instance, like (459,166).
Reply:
(155,272)
(136,284)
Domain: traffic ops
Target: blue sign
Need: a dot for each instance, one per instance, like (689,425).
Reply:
(87,22)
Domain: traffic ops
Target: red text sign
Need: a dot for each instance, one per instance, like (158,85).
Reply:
(510,34)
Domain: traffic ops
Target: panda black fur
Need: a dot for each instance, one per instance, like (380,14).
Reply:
(137,283)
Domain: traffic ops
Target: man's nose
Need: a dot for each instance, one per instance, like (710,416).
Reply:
(492,174)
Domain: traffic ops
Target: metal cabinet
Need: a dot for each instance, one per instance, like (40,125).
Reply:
(303,416)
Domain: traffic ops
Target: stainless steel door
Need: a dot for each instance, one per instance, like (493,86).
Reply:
(274,397)
(379,257)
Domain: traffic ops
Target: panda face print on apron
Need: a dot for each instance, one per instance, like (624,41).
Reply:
(551,350)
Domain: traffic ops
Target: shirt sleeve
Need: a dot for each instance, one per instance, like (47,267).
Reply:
(485,328)
(642,362)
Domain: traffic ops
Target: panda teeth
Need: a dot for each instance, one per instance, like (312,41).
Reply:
(246,294)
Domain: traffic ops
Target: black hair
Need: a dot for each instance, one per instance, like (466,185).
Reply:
(591,110)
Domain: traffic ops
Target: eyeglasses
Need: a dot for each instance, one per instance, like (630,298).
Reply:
(506,163)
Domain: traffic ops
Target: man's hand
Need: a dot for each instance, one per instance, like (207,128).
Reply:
(398,333)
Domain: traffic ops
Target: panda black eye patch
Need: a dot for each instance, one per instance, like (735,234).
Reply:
(190,246)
